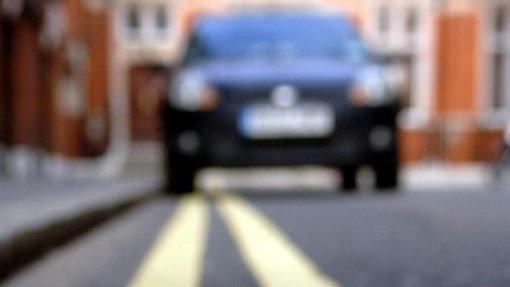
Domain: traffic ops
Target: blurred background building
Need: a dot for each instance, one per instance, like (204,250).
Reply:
(54,67)
(82,80)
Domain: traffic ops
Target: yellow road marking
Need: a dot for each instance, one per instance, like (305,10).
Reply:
(272,258)
(176,258)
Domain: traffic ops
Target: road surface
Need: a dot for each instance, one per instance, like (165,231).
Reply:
(447,238)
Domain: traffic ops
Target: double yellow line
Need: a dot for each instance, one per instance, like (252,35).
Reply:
(176,258)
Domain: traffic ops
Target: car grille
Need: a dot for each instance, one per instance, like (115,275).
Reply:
(241,96)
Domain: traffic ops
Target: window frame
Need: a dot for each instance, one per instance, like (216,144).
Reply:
(383,17)
(498,105)
(161,32)
(130,14)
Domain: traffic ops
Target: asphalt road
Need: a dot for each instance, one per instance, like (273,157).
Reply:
(447,238)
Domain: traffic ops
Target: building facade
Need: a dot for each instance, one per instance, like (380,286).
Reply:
(455,55)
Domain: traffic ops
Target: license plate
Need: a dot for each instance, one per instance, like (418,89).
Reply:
(261,122)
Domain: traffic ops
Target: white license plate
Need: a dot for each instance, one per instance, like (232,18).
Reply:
(261,122)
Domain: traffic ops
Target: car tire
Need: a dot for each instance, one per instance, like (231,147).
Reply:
(349,182)
(386,174)
(180,175)
(180,181)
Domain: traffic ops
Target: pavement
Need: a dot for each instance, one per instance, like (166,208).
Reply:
(246,238)
(427,176)
(39,213)
(434,176)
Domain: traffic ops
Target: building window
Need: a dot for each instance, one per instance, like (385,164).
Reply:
(161,18)
(384,20)
(498,97)
(500,19)
(133,21)
(399,48)
(162,22)
(411,21)
(404,64)
(499,59)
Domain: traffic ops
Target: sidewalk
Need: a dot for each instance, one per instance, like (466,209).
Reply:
(453,177)
(40,213)
(419,177)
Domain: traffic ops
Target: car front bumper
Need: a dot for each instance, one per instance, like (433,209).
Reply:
(212,139)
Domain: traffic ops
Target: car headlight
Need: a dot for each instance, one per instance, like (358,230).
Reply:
(192,93)
(370,90)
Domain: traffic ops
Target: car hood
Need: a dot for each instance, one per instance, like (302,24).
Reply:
(316,72)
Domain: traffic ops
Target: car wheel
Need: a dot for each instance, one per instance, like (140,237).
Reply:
(181,181)
(386,174)
(349,183)
(180,175)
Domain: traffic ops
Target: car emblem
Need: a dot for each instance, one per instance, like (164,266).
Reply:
(285,96)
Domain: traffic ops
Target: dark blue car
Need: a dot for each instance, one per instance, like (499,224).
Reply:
(279,90)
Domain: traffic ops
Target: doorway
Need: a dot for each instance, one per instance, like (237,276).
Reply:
(148,87)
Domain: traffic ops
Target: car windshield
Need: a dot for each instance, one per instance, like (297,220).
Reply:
(275,36)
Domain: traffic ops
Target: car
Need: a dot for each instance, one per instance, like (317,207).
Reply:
(276,89)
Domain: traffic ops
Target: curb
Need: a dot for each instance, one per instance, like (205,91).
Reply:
(21,245)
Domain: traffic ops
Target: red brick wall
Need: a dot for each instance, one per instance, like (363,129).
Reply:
(147,90)
(458,50)
(4,87)
(414,145)
(96,35)
(55,125)
(26,86)
(69,133)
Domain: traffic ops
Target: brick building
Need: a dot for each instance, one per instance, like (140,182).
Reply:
(53,73)
(456,55)
(98,69)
